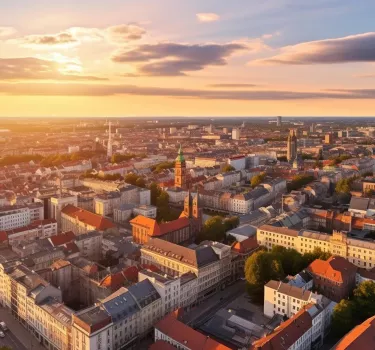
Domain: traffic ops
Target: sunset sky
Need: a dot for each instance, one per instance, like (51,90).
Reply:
(187,58)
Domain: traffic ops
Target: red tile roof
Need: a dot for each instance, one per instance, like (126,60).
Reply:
(62,238)
(245,246)
(156,229)
(185,335)
(99,222)
(335,269)
(284,336)
(361,337)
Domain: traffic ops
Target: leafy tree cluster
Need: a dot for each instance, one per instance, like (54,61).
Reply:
(263,266)
(160,199)
(257,179)
(282,159)
(23,158)
(118,158)
(58,159)
(344,186)
(369,173)
(227,168)
(214,228)
(298,181)
(107,177)
(162,166)
(349,313)
(135,180)
(339,159)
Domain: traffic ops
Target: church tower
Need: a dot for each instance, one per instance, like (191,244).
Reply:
(292,146)
(188,205)
(180,170)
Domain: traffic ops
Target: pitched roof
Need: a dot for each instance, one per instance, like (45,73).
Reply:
(62,238)
(284,336)
(282,230)
(156,229)
(99,222)
(186,336)
(161,345)
(335,268)
(290,290)
(245,246)
(195,257)
(361,337)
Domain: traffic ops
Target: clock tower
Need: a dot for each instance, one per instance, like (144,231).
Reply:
(180,170)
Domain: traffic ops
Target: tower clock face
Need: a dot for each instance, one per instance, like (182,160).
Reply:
(178,172)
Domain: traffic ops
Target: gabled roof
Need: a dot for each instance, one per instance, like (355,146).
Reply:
(245,246)
(186,336)
(99,222)
(335,269)
(361,337)
(62,238)
(284,336)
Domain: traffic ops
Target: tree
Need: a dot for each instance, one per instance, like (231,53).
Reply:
(257,179)
(231,223)
(317,253)
(282,159)
(227,168)
(298,181)
(260,268)
(343,186)
(364,300)
(213,229)
(140,182)
(155,192)
(131,178)
(291,260)
(161,166)
(343,318)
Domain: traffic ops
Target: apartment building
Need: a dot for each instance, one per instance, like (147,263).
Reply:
(359,252)
(58,203)
(305,330)
(90,245)
(335,278)
(167,287)
(170,332)
(81,221)
(36,230)
(36,304)
(210,262)
(119,320)
(286,300)
(16,216)
(104,204)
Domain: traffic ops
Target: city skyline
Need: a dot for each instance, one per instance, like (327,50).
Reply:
(170,58)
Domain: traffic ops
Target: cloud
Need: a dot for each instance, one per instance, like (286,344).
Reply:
(7,31)
(354,48)
(63,39)
(172,59)
(234,86)
(77,89)
(365,76)
(207,17)
(125,32)
(30,68)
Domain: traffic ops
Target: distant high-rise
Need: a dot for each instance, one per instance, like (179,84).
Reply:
(328,139)
(292,146)
(312,127)
(279,121)
(236,134)
(109,145)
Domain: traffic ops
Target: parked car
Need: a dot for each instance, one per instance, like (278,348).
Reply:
(3,326)
(2,335)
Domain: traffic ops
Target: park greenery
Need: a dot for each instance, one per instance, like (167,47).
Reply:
(263,266)
(298,181)
(158,168)
(257,179)
(349,313)
(160,199)
(214,228)
(339,159)
(344,186)
(107,177)
(118,158)
(136,180)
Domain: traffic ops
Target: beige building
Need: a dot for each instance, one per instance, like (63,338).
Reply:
(210,262)
(359,252)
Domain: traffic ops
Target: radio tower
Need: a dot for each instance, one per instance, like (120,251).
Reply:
(109,146)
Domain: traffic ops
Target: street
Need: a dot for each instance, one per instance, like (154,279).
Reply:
(17,337)
(200,314)
(11,341)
